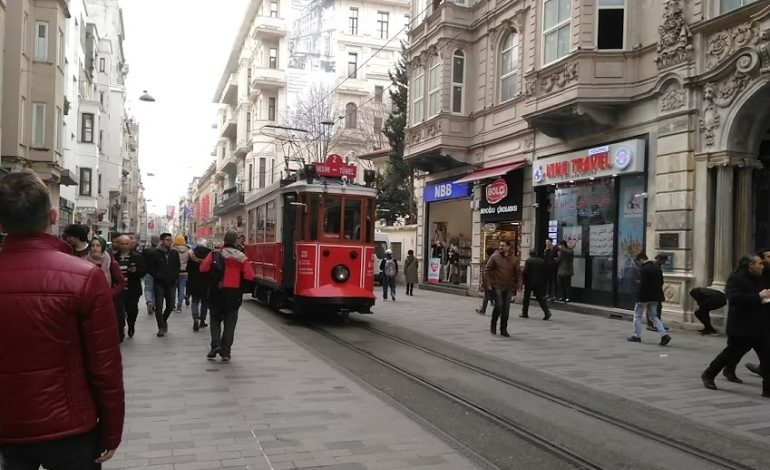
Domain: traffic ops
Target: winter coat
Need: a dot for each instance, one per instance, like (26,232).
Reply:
(197,284)
(650,283)
(119,283)
(535,272)
(503,272)
(708,299)
(134,279)
(61,371)
(566,262)
(410,270)
(164,266)
(747,316)
(237,269)
(184,257)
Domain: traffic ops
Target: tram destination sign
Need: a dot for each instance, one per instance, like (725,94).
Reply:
(335,167)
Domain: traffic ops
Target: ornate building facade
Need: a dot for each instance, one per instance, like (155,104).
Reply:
(566,119)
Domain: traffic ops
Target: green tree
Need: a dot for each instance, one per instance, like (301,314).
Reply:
(395,185)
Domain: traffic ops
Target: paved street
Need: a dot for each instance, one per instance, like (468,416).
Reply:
(275,406)
(593,351)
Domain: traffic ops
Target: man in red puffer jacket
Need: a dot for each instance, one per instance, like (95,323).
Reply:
(226,268)
(61,374)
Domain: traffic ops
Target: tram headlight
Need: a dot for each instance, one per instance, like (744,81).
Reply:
(340,273)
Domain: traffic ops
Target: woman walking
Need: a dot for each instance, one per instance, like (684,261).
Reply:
(118,283)
(410,272)
(180,245)
(747,325)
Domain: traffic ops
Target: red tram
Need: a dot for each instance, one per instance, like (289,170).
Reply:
(310,239)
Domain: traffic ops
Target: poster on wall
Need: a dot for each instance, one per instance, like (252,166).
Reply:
(574,238)
(630,233)
(439,233)
(602,239)
(434,271)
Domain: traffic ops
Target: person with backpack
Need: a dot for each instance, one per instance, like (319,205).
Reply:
(389,270)
(198,285)
(227,269)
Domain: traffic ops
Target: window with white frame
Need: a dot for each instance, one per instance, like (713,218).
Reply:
(273,59)
(610,30)
(458,81)
(434,86)
(730,5)
(383,18)
(102,64)
(353,22)
(62,44)
(509,67)
(378,90)
(557,26)
(24,32)
(59,129)
(22,123)
(351,116)
(352,65)
(41,41)
(38,124)
(271,109)
(262,171)
(87,128)
(274,8)
(418,105)
(85,182)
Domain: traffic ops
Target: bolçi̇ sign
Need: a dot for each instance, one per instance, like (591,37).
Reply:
(608,160)
(501,198)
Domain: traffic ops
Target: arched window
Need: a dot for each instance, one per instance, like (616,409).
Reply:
(458,81)
(418,104)
(509,67)
(434,86)
(350,116)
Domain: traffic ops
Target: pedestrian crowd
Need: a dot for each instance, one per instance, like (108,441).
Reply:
(67,303)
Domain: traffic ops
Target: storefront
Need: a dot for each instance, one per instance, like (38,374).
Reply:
(66,213)
(448,237)
(500,208)
(595,200)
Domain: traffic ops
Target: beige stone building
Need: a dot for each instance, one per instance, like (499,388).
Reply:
(33,89)
(570,120)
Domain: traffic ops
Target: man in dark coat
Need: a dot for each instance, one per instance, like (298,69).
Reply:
(198,285)
(764,255)
(133,269)
(61,375)
(650,293)
(707,300)
(535,276)
(164,267)
(746,291)
(549,255)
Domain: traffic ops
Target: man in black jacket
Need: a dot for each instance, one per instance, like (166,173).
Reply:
(549,255)
(707,300)
(764,255)
(535,276)
(746,291)
(164,266)
(650,293)
(133,268)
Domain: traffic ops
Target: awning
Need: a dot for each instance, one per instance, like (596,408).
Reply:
(485,173)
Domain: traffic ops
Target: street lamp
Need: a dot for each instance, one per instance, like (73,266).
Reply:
(146,97)
(327,125)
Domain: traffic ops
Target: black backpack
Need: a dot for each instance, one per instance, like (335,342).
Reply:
(216,273)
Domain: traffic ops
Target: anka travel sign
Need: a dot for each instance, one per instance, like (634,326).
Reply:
(607,160)
(501,198)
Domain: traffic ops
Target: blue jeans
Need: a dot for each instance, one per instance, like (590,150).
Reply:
(200,308)
(502,308)
(181,289)
(648,309)
(149,289)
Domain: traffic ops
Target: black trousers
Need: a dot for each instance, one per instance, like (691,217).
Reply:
(120,311)
(737,347)
(704,316)
(227,315)
(131,303)
(489,296)
(565,287)
(539,295)
(550,286)
(68,453)
(502,309)
(164,295)
(409,288)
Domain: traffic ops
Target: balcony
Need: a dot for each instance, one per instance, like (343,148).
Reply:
(354,86)
(243,148)
(440,143)
(264,78)
(269,28)
(584,92)
(230,93)
(229,127)
(230,200)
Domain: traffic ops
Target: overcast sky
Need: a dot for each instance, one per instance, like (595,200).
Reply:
(177,51)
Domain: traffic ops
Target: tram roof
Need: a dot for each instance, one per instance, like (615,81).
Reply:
(330,185)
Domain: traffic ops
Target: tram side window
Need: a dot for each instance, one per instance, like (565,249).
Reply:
(370,214)
(332,217)
(252,221)
(311,216)
(270,222)
(352,219)
(260,224)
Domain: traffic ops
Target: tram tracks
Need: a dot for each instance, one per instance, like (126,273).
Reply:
(647,448)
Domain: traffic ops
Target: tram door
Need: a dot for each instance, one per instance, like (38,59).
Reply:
(289,229)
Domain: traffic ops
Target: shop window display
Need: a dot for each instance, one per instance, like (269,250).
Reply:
(450,256)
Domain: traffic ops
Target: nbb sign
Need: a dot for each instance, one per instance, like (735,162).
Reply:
(446,190)
(608,160)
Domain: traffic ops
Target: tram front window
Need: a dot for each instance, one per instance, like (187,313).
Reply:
(313,210)
(352,219)
(332,217)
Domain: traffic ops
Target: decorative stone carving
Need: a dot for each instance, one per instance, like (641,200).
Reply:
(674,44)
(721,95)
(510,24)
(530,87)
(560,78)
(673,98)
(724,43)
(433,129)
